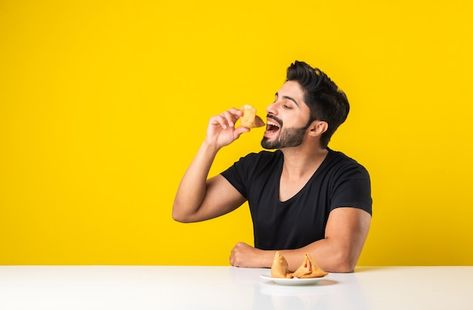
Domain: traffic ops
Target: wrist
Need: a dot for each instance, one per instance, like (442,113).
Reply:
(266,258)
(210,146)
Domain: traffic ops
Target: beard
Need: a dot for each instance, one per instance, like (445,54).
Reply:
(289,137)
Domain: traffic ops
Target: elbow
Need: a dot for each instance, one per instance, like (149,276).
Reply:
(179,217)
(345,267)
(176,216)
(344,263)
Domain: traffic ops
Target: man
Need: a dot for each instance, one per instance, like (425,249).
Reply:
(304,197)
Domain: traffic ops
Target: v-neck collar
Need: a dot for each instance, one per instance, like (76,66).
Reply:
(316,172)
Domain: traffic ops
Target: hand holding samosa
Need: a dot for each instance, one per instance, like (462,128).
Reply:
(249,119)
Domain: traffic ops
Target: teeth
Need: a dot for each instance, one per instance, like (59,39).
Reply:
(272,123)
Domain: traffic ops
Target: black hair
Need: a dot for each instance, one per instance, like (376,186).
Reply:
(326,101)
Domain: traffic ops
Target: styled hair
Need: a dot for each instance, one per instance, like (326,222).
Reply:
(326,101)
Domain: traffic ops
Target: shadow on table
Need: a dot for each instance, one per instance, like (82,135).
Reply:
(325,294)
(275,296)
(269,288)
(325,282)
(322,282)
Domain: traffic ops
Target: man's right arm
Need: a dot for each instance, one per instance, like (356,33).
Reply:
(198,199)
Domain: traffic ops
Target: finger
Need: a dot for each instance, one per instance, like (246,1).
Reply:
(240,130)
(219,120)
(213,120)
(229,117)
(236,112)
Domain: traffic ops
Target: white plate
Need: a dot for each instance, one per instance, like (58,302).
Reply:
(293,281)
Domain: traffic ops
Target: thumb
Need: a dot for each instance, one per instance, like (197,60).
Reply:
(237,133)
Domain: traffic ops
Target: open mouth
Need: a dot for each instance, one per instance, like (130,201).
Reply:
(271,127)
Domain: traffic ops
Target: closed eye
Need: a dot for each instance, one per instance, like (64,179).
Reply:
(285,106)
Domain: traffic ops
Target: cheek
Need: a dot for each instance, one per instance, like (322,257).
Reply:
(295,121)
(303,120)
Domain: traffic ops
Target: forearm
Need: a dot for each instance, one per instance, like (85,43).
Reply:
(192,188)
(326,253)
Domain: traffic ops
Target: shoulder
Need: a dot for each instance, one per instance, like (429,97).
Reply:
(260,157)
(344,166)
(264,154)
(258,163)
(350,183)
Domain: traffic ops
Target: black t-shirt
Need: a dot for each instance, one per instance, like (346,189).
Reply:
(339,181)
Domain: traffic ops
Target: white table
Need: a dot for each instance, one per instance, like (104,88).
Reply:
(166,287)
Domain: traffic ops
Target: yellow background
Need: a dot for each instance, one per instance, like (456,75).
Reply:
(104,104)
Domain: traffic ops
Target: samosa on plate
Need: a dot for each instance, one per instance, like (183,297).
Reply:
(279,268)
(309,269)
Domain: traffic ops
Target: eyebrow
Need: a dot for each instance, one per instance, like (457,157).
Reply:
(287,97)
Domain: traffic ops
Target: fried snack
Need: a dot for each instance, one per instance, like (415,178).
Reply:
(249,118)
(308,269)
(279,266)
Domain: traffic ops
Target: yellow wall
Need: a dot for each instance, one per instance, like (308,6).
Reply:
(103,106)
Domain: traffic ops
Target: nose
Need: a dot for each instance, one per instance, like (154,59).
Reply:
(271,109)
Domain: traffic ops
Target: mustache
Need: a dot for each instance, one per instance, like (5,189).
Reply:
(274,118)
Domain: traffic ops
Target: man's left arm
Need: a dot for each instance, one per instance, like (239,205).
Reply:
(345,234)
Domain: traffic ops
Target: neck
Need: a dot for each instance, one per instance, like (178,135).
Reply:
(302,160)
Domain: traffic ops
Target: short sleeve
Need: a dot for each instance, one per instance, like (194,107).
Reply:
(353,189)
(239,174)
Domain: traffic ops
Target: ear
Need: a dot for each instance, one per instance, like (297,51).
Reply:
(317,128)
